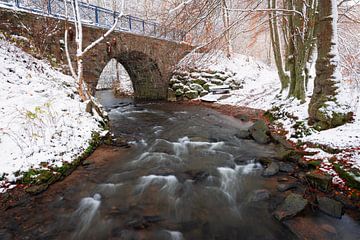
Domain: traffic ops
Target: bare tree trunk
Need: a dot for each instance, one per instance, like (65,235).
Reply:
(226,21)
(80,51)
(276,46)
(325,110)
(301,42)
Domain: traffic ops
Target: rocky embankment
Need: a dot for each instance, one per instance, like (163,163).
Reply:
(194,83)
(297,191)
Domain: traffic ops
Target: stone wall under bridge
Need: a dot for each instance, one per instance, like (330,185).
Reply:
(148,61)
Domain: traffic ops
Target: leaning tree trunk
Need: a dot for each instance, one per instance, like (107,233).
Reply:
(325,110)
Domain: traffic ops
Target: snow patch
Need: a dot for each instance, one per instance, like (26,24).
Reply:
(42,120)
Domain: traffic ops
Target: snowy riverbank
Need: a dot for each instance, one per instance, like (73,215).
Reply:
(42,121)
(261,90)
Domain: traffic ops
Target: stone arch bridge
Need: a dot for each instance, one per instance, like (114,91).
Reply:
(148,60)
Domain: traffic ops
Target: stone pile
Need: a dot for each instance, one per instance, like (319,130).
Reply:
(186,85)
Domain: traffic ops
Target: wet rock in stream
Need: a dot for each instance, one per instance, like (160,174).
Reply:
(259,131)
(271,170)
(330,206)
(293,204)
(259,195)
(243,134)
(286,167)
(286,186)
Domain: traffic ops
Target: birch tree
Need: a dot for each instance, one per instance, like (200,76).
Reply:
(81,51)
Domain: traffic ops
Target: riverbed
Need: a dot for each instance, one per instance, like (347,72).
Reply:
(185,175)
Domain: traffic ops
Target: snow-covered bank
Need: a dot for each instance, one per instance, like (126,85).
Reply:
(42,121)
(261,90)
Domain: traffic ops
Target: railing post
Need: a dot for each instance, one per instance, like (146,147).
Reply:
(143,25)
(96,15)
(130,23)
(49,7)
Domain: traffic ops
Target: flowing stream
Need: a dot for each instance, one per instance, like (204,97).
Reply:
(185,176)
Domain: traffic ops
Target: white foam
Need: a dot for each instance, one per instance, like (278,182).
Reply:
(169,183)
(86,211)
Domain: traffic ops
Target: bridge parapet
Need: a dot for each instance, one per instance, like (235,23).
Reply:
(98,17)
(148,60)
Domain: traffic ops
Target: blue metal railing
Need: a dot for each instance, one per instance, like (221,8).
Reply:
(97,16)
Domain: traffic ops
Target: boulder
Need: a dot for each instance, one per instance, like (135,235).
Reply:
(243,134)
(207,75)
(174,80)
(282,187)
(178,86)
(186,88)
(271,170)
(192,94)
(217,81)
(234,85)
(195,75)
(221,76)
(259,195)
(286,167)
(293,204)
(203,93)
(319,181)
(171,95)
(196,87)
(207,86)
(281,140)
(179,92)
(200,81)
(330,206)
(259,131)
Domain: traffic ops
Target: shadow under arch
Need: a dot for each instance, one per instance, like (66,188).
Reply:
(145,75)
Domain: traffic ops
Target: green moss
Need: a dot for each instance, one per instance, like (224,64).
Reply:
(314,164)
(51,175)
(36,176)
(269,116)
(349,178)
(301,130)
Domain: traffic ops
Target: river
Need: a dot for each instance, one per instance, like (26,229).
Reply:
(185,176)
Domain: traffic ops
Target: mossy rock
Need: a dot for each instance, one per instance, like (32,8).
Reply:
(192,94)
(200,81)
(178,86)
(36,189)
(322,120)
(203,93)
(217,81)
(207,86)
(179,92)
(171,95)
(319,181)
(350,178)
(196,87)
(259,131)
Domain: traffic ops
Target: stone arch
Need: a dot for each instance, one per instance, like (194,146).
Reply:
(114,76)
(147,79)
